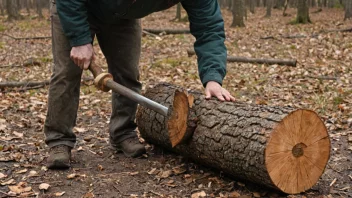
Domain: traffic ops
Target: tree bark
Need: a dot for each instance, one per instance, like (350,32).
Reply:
(279,147)
(302,12)
(268,8)
(12,10)
(237,13)
(251,6)
(39,9)
(240,59)
(348,9)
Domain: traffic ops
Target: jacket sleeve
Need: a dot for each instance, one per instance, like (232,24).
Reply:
(207,26)
(73,17)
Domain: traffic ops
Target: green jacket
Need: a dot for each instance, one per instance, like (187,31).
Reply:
(206,25)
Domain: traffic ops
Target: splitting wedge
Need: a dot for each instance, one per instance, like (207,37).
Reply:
(104,81)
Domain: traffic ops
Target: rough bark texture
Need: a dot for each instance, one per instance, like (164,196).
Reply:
(302,12)
(12,10)
(237,13)
(279,147)
(268,8)
(227,136)
(348,9)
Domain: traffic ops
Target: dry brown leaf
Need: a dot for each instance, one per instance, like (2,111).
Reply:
(20,188)
(88,195)
(44,186)
(100,167)
(134,173)
(153,171)
(256,194)
(59,194)
(17,134)
(11,181)
(165,174)
(234,194)
(179,170)
(22,171)
(80,130)
(2,175)
(33,173)
(71,176)
(198,194)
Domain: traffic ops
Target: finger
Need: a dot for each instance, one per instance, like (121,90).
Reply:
(80,63)
(207,94)
(219,96)
(233,99)
(227,96)
(86,64)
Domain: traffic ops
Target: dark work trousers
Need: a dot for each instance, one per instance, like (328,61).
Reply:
(121,45)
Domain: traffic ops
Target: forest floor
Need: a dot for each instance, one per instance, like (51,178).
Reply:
(322,81)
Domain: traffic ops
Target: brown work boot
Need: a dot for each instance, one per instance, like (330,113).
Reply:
(131,147)
(59,157)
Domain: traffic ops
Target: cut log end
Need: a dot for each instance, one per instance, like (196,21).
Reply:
(297,152)
(177,122)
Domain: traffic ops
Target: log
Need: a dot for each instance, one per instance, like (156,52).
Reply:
(27,38)
(34,84)
(279,147)
(239,59)
(168,31)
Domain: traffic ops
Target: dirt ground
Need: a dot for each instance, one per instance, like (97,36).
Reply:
(322,81)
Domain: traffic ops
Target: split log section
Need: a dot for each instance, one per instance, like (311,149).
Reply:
(279,147)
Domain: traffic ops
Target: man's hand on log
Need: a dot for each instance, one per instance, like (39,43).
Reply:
(82,55)
(214,89)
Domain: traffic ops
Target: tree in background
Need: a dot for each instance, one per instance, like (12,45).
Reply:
(348,9)
(302,12)
(12,8)
(39,8)
(251,4)
(2,7)
(268,8)
(238,13)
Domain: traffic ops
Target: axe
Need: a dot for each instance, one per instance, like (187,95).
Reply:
(104,81)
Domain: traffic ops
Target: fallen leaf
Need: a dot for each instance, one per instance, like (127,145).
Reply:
(256,194)
(11,181)
(59,194)
(134,173)
(20,188)
(44,186)
(100,167)
(152,172)
(19,135)
(80,130)
(22,171)
(165,174)
(33,173)
(2,175)
(198,194)
(179,170)
(71,176)
(88,195)
(234,194)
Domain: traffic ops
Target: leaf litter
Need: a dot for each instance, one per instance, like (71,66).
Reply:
(321,81)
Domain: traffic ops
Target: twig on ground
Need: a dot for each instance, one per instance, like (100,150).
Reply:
(27,38)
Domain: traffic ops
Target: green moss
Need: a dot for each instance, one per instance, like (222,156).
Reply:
(46,59)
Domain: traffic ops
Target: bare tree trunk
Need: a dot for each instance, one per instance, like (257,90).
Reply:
(39,9)
(237,13)
(12,10)
(268,8)
(2,7)
(303,12)
(348,9)
(285,7)
(251,6)
(331,3)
